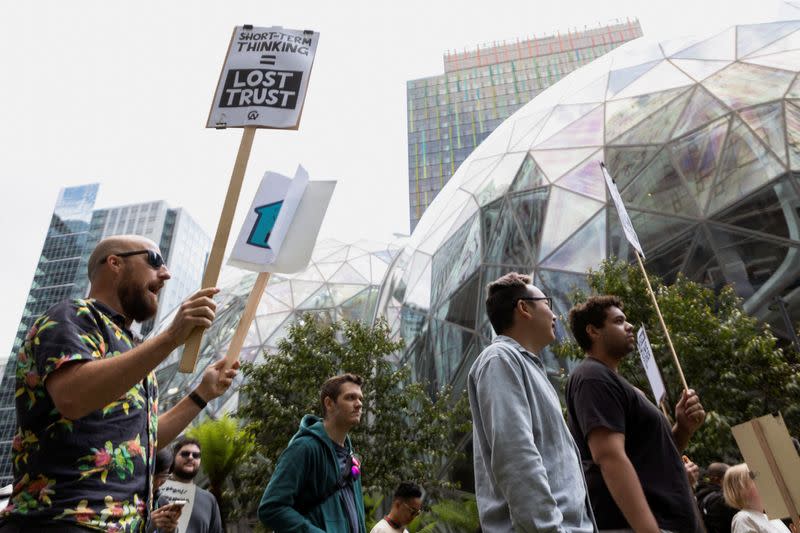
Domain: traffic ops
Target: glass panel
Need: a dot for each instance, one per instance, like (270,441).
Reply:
(529,208)
(456,259)
(587,178)
(418,264)
(449,344)
(668,258)
(624,163)
(661,77)
(341,292)
(461,308)
(490,215)
(790,42)
(555,163)
(593,92)
(793,134)
(586,131)
(566,212)
(329,269)
(496,143)
(419,295)
(311,273)
(529,176)
(746,165)
(702,109)
(657,127)
(347,274)
(269,304)
(267,324)
(765,211)
(469,209)
(361,307)
(476,173)
(702,266)
(379,268)
(660,188)
(281,291)
(785,60)
(412,325)
(742,84)
(653,231)
(527,128)
(502,175)
(721,46)
(562,116)
(619,79)
(251,338)
(750,262)
(696,156)
(751,38)
(507,244)
(584,250)
(302,290)
(430,243)
(338,255)
(321,298)
(699,69)
(362,266)
(622,114)
(767,122)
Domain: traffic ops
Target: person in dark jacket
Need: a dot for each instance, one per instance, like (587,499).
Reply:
(717,514)
(316,485)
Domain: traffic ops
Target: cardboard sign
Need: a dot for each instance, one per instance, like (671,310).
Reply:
(650,365)
(264,80)
(281,227)
(770,455)
(173,490)
(625,220)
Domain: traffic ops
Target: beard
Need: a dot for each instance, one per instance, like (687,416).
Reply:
(135,301)
(183,475)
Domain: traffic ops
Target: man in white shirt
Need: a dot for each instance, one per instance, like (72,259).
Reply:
(406,506)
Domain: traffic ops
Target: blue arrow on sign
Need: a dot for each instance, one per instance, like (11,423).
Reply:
(267,215)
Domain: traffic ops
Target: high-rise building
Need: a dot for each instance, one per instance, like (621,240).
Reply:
(54,280)
(452,113)
(75,228)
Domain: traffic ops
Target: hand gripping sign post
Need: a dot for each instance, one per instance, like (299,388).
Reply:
(774,464)
(630,234)
(262,85)
(278,235)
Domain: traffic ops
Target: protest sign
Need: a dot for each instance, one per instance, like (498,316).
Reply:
(171,491)
(774,464)
(625,220)
(650,365)
(265,77)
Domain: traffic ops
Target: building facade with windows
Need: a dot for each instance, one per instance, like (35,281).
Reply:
(452,113)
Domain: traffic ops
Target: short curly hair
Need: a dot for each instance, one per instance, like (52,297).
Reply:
(591,312)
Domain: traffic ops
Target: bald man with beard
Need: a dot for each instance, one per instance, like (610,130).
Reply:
(88,425)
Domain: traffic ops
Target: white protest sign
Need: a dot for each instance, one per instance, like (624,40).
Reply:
(265,77)
(627,225)
(173,490)
(650,366)
(281,227)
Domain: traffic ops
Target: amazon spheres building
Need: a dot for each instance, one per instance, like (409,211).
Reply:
(703,139)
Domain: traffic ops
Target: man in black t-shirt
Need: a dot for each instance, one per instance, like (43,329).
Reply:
(631,457)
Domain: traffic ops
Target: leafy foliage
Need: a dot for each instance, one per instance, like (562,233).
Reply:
(731,360)
(404,433)
(223,445)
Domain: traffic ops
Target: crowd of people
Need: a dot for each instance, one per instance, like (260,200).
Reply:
(86,452)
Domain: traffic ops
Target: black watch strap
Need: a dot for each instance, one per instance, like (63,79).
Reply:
(201,403)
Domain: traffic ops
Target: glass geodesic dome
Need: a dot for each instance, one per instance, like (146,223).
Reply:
(702,138)
(341,282)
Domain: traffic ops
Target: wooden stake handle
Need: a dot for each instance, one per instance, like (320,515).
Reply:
(214,265)
(773,466)
(661,320)
(246,320)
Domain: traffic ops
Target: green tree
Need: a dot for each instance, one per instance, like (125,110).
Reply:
(731,360)
(404,435)
(223,445)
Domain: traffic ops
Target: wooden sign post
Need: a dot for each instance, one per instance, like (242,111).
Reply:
(262,84)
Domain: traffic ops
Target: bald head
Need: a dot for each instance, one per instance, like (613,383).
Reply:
(115,245)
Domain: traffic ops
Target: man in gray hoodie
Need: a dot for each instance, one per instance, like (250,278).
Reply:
(528,474)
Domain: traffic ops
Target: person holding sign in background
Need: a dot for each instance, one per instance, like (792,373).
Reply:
(636,477)
(87,411)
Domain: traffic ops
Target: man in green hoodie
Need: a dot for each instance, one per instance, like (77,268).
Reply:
(316,485)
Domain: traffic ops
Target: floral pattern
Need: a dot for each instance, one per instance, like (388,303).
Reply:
(96,470)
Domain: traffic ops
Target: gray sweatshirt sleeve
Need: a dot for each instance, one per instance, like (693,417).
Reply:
(504,415)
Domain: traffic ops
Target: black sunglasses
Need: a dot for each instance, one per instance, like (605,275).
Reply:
(154,258)
(186,454)
(535,299)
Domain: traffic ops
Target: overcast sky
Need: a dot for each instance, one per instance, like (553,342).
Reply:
(118,93)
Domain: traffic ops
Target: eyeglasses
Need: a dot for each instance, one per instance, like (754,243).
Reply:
(154,258)
(414,510)
(186,454)
(547,299)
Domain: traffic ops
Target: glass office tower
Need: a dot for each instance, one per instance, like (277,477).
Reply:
(452,113)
